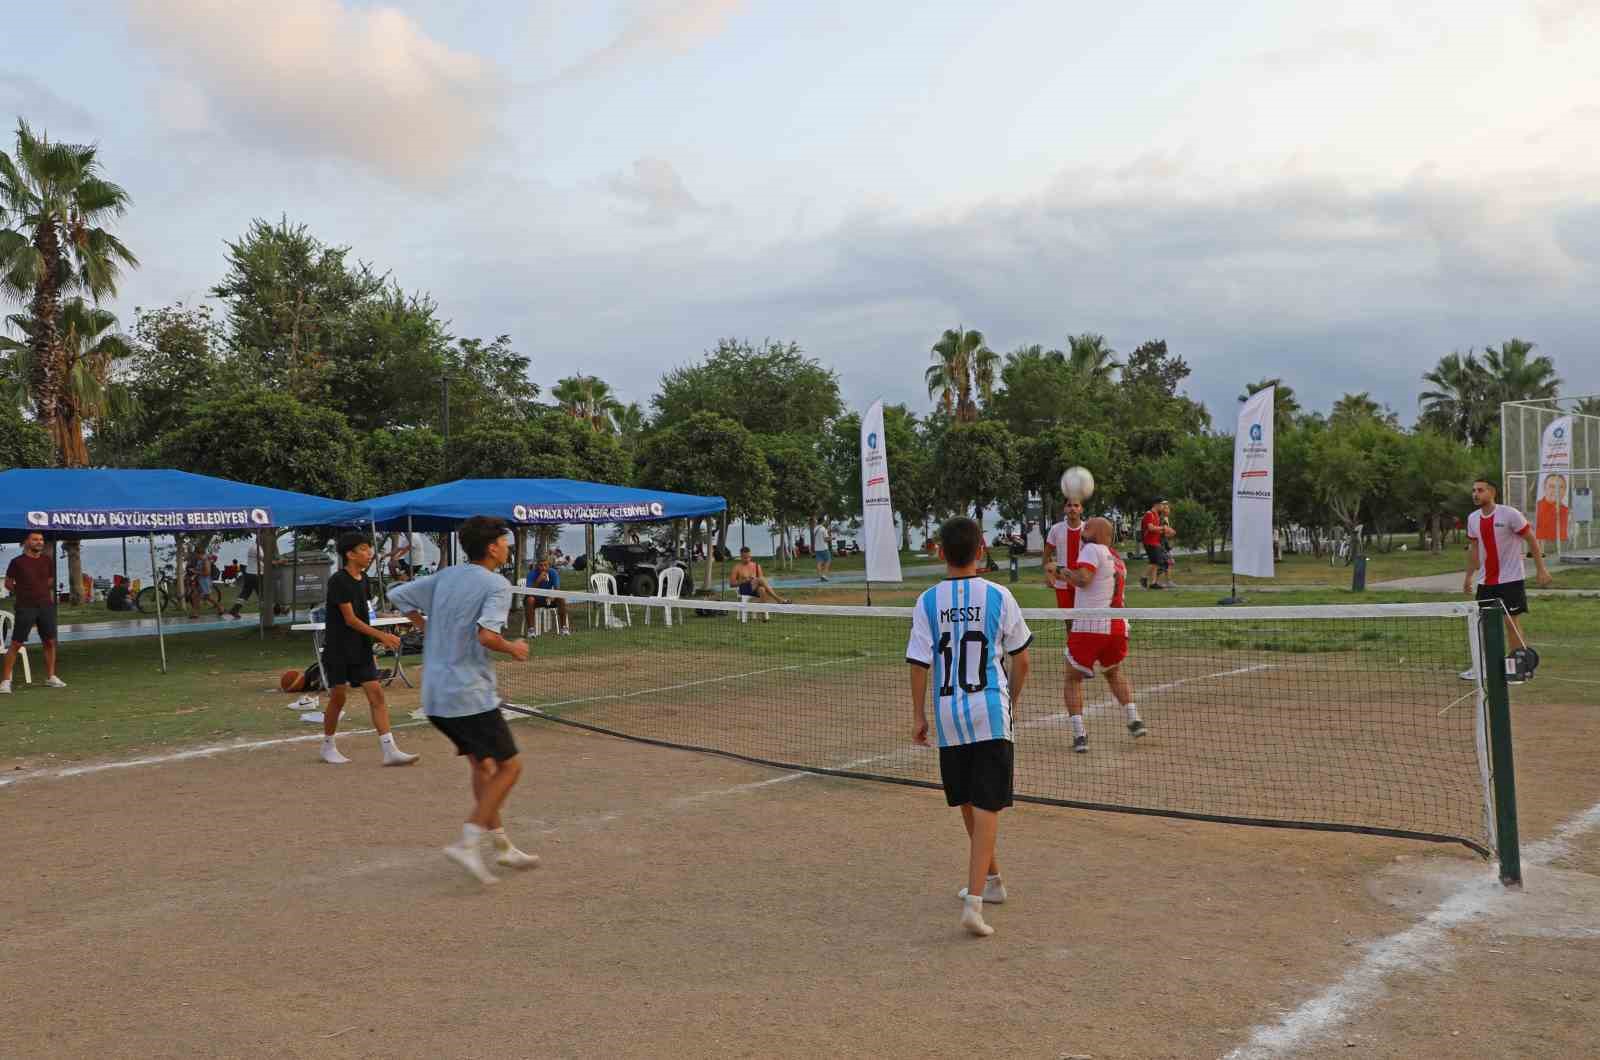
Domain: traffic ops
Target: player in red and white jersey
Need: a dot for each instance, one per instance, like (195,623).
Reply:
(1100,578)
(1061,546)
(1497,533)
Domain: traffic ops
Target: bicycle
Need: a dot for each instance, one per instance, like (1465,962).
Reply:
(166,585)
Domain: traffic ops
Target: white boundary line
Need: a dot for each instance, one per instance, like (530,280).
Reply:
(1420,945)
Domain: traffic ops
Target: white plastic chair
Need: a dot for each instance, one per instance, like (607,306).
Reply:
(543,618)
(669,587)
(8,623)
(605,585)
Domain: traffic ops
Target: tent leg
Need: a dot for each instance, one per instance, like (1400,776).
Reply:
(294,578)
(376,561)
(155,577)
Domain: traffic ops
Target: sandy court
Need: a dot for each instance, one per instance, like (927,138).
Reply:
(259,902)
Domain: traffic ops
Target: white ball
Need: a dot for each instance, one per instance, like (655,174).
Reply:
(1077,484)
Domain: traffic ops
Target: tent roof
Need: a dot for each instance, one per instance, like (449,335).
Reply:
(132,502)
(528,501)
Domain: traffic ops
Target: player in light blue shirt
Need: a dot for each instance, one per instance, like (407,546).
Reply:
(962,630)
(466,608)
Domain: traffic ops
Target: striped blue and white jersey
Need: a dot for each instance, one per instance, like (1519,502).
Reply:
(961,629)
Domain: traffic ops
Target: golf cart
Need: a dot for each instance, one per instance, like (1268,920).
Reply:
(638,566)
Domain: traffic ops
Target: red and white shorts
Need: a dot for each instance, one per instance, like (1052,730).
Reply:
(1086,649)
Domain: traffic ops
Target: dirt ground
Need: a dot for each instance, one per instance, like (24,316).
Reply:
(260,903)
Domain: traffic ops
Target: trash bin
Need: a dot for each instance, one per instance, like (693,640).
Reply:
(1358,575)
(301,578)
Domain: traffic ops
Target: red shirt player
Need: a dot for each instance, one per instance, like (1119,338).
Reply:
(1061,546)
(1497,533)
(1100,578)
(1153,533)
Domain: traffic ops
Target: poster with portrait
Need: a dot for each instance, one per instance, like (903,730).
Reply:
(1552,515)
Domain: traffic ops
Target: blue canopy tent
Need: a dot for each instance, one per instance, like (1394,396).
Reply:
(536,501)
(133,502)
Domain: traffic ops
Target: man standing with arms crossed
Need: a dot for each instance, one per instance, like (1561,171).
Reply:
(1496,533)
(32,578)
(467,606)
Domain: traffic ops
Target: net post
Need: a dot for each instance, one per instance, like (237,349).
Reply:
(1507,844)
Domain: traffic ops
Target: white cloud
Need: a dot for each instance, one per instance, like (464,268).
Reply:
(322,78)
(658,25)
(655,187)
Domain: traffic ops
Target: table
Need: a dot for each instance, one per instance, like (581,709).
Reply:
(381,622)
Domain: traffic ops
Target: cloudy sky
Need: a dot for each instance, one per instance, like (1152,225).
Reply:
(1338,194)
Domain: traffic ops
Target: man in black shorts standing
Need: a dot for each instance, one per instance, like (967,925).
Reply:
(1497,533)
(467,606)
(347,651)
(32,578)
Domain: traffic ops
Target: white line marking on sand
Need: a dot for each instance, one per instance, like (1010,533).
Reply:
(1418,946)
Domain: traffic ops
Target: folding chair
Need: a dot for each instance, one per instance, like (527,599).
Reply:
(8,624)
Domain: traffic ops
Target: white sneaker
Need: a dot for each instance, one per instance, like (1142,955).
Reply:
(972,917)
(54,682)
(331,755)
(512,858)
(393,756)
(1469,675)
(466,855)
(5,688)
(564,631)
(994,892)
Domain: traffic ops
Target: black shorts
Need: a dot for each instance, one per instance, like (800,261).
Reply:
(977,773)
(479,736)
(1513,594)
(1157,555)
(337,671)
(542,601)
(29,619)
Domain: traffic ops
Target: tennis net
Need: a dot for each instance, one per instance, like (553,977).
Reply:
(1340,718)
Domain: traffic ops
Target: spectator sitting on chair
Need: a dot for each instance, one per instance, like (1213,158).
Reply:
(29,577)
(749,580)
(545,576)
(118,599)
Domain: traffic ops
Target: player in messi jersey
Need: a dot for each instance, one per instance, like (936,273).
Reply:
(1100,577)
(1061,546)
(962,630)
(1497,533)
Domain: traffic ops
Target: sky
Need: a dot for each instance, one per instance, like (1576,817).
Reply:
(1335,194)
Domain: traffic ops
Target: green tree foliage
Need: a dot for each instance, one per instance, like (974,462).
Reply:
(1433,482)
(53,201)
(405,458)
(589,399)
(1457,403)
(771,388)
(910,465)
(1196,524)
(552,445)
(271,439)
(709,455)
(1285,405)
(977,466)
(1044,456)
(176,362)
(801,490)
(1354,464)
(1200,469)
(23,443)
(962,373)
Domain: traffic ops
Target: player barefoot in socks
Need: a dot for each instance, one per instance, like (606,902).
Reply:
(961,629)
(1100,577)
(467,605)
(347,651)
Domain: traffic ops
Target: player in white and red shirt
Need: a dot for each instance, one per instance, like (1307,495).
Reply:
(1061,546)
(1100,578)
(1497,533)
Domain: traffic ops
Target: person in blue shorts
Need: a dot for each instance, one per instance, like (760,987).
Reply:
(544,576)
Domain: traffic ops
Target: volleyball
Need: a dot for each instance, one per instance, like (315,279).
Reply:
(1077,484)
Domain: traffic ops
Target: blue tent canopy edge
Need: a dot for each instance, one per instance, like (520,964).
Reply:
(535,501)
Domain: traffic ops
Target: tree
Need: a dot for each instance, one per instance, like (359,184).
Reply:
(710,455)
(1433,480)
(800,487)
(23,443)
(1044,456)
(630,424)
(962,363)
(976,466)
(1458,404)
(1285,406)
(1351,463)
(404,458)
(1038,391)
(379,364)
(1089,355)
(1195,522)
(1200,468)
(771,388)
(1515,375)
(176,361)
(1360,406)
(55,196)
(589,399)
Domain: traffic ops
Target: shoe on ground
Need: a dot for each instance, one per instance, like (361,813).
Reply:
(398,757)
(1136,729)
(5,688)
(1157,585)
(1144,583)
(54,682)
(467,856)
(512,858)
(1080,744)
(332,756)
(565,631)
(972,917)
(1468,674)
(994,892)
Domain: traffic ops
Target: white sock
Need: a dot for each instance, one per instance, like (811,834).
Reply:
(327,743)
(470,834)
(1077,725)
(1133,711)
(387,740)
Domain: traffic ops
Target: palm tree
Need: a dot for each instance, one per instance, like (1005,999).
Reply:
(1589,406)
(1090,356)
(1515,375)
(1360,406)
(1285,406)
(587,398)
(1458,404)
(628,421)
(962,360)
(55,198)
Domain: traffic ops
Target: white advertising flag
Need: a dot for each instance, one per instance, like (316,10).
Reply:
(1252,487)
(878,540)
(1552,510)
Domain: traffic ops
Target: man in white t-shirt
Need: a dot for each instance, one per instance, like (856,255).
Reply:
(1061,546)
(1496,533)
(1100,577)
